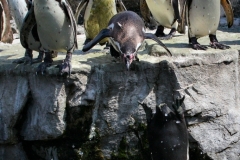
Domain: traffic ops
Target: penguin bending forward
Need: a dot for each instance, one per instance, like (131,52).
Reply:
(97,14)
(54,25)
(167,14)
(167,131)
(126,32)
(203,18)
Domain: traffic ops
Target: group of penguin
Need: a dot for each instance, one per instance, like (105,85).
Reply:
(50,26)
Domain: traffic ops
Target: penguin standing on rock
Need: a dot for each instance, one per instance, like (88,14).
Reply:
(55,28)
(167,14)
(19,9)
(203,18)
(126,32)
(97,15)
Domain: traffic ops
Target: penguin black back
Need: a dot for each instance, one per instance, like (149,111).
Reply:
(167,132)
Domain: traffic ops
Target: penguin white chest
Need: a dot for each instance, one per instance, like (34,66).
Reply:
(162,11)
(53,26)
(203,17)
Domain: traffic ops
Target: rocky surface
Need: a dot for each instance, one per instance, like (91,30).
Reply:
(94,113)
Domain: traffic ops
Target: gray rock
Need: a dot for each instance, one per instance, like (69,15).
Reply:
(14,95)
(45,117)
(12,152)
(94,113)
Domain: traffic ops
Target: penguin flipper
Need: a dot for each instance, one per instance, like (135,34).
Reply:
(145,12)
(181,25)
(120,6)
(102,34)
(153,37)
(178,109)
(70,15)
(226,4)
(147,16)
(28,23)
(82,5)
(175,4)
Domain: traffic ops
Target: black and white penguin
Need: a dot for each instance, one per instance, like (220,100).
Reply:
(167,14)
(167,132)
(97,14)
(19,9)
(6,34)
(126,32)
(55,27)
(203,18)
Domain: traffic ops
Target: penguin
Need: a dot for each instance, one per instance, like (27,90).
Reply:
(6,34)
(97,15)
(167,15)
(54,26)
(19,9)
(167,131)
(126,32)
(203,19)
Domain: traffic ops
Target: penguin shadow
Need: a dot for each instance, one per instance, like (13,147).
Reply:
(178,45)
(101,57)
(80,52)
(165,89)
(232,42)
(6,58)
(231,30)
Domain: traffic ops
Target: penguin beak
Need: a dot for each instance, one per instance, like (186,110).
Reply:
(128,60)
(128,65)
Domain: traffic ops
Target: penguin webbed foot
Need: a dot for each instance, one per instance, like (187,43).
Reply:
(195,45)
(168,36)
(198,46)
(66,66)
(44,65)
(217,45)
(165,37)
(39,58)
(27,59)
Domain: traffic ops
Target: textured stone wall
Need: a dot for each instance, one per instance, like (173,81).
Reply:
(95,112)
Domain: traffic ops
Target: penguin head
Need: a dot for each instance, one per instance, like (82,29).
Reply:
(128,51)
